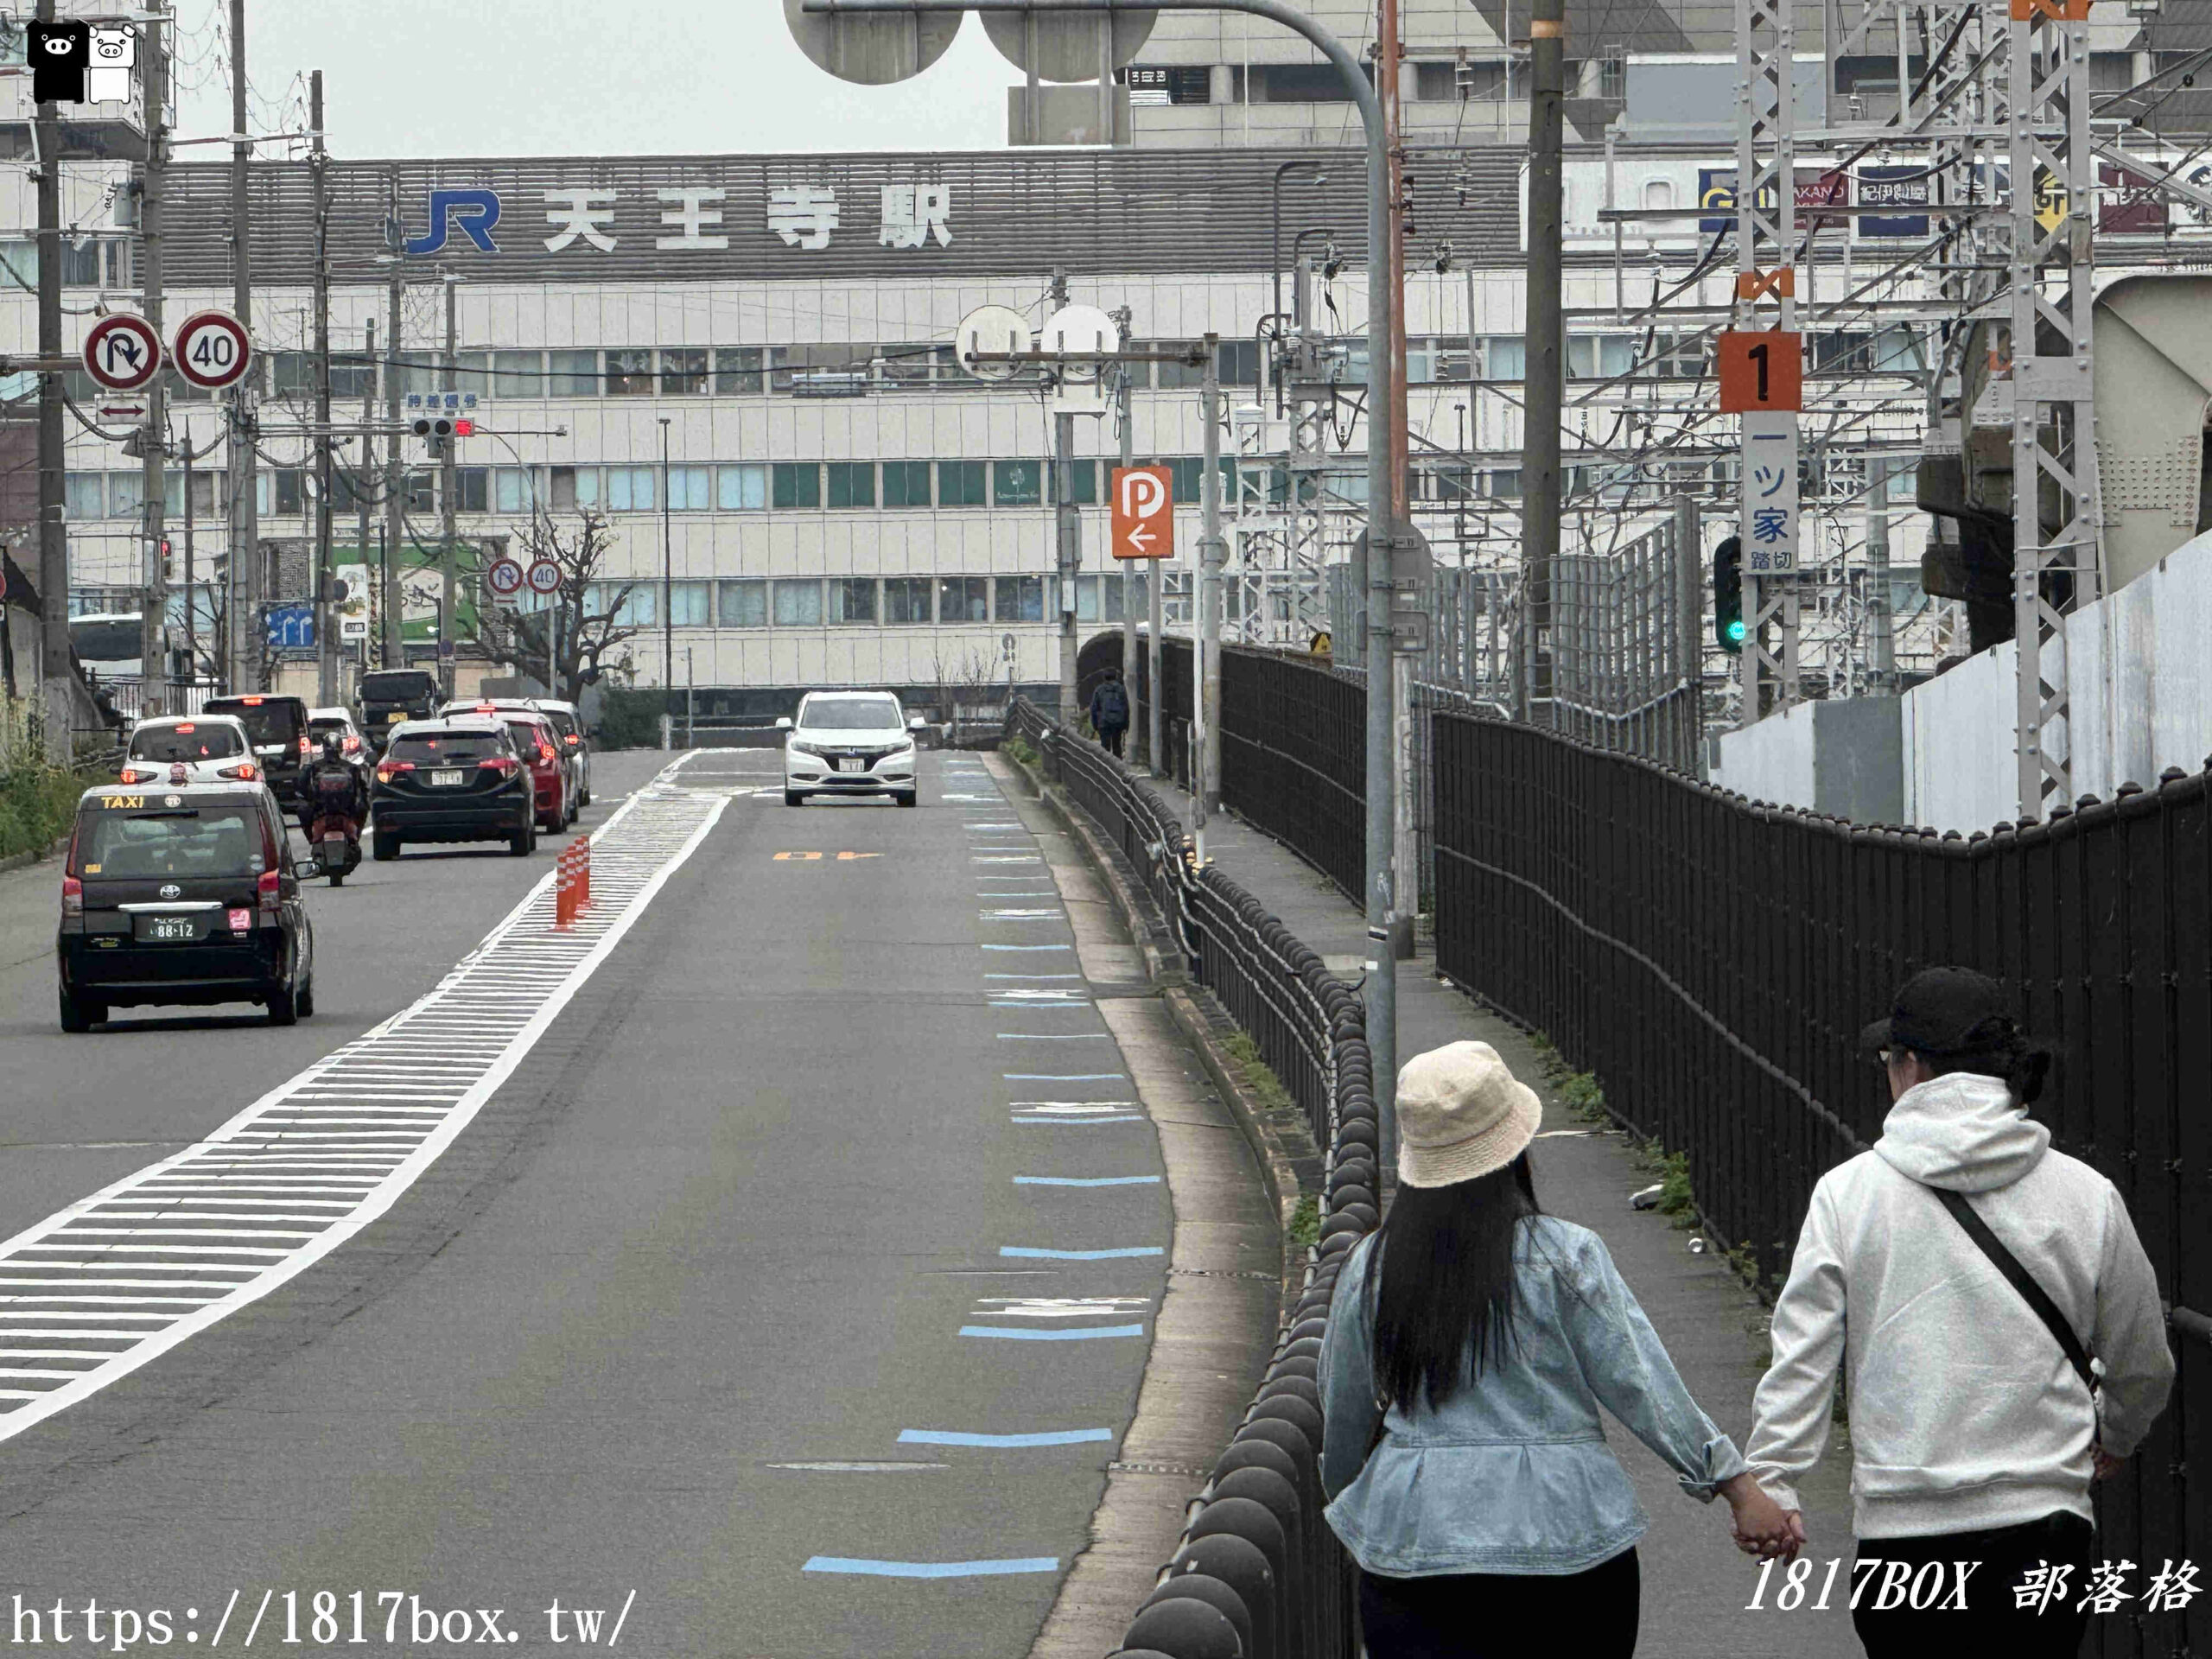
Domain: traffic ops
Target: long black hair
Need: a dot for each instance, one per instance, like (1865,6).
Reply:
(1441,1281)
(1998,1048)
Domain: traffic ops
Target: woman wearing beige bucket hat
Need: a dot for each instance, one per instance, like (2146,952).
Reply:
(1471,1341)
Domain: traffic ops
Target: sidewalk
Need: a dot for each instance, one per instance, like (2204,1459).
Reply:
(1695,1582)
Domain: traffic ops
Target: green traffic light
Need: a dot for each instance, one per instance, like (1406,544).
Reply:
(1735,631)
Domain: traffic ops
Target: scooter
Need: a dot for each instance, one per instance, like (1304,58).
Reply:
(337,843)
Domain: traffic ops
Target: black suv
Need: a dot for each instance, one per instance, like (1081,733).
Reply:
(457,779)
(390,695)
(182,892)
(279,728)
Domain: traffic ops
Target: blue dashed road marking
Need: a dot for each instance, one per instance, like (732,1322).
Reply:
(1032,1251)
(950,1437)
(1082,1333)
(1086,1180)
(932,1569)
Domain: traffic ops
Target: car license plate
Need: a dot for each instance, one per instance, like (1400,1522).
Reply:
(441,779)
(851,763)
(395,717)
(170,927)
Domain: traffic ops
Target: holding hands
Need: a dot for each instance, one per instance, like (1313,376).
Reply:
(1763,1527)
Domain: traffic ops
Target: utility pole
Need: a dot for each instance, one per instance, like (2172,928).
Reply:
(361,491)
(153,631)
(1389,54)
(191,594)
(1213,556)
(55,673)
(449,554)
(245,508)
(1067,527)
(1881,637)
(326,621)
(395,488)
(1545,387)
(1127,411)
(667,582)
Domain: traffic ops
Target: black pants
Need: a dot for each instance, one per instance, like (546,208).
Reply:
(1990,1622)
(1464,1615)
(1111,736)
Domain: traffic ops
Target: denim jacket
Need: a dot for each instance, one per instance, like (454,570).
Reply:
(1511,1473)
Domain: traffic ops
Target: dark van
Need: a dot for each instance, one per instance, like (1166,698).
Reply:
(389,695)
(279,728)
(182,892)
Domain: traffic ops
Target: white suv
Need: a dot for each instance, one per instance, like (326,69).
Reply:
(849,743)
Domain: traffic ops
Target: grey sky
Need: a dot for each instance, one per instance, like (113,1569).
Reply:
(437,78)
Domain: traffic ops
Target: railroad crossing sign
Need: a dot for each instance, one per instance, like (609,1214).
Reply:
(503,578)
(122,353)
(1761,370)
(1144,512)
(211,351)
(544,576)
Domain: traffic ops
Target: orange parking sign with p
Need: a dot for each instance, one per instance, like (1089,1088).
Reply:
(1144,512)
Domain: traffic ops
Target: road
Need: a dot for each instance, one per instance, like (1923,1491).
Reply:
(788,1297)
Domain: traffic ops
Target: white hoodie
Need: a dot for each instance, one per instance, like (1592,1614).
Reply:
(1965,1412)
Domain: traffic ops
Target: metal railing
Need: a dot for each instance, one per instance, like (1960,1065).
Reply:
(1257,1525)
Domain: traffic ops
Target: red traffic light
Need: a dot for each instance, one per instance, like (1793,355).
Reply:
(464,428)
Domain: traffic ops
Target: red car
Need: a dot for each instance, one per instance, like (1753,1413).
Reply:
(540,745)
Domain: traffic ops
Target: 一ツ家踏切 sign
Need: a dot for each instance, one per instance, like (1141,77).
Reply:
(1769,530)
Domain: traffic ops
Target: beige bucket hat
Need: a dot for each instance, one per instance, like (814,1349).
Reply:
(1461,1112)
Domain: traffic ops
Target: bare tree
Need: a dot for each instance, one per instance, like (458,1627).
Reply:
(967,680)
(586,638)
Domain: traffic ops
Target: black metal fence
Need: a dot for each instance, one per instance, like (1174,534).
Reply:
(1257,1572)
(1711,961)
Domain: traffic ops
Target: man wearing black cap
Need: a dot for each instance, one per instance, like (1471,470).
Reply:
(1966,1338)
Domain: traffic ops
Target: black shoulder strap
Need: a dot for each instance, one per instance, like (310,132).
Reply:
(2023,1280)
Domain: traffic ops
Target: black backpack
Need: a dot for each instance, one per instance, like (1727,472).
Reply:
(1113,704)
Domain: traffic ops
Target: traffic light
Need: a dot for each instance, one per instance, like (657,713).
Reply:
(436,431)
(168,565)
(1728,595)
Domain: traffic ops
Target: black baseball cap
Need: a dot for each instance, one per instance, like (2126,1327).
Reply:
(1940,1011)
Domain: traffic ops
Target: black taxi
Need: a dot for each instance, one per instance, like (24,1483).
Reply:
(182,892)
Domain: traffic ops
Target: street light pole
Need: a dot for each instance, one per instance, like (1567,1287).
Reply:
(667,580)
(1383,420)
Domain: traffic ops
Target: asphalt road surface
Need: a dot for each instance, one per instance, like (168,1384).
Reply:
(787,1297)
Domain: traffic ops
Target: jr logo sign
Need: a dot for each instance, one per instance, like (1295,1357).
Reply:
(473,212)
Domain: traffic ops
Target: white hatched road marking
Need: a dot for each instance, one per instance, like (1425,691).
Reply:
(282,1161)
(1059,1307)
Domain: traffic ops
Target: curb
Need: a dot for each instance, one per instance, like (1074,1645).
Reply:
(1172,985)
(24,861)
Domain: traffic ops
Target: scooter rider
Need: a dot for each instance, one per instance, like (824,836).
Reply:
(330,783)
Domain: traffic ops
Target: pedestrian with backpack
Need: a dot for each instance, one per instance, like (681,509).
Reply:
(1109,712)
(1979,1419)
(1471,1341)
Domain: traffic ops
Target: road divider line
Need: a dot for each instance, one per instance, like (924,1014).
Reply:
(1037,1253)
(1082,1333)
(1086,1180)
(638,848)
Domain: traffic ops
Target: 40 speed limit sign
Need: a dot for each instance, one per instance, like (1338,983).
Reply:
(211,350)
